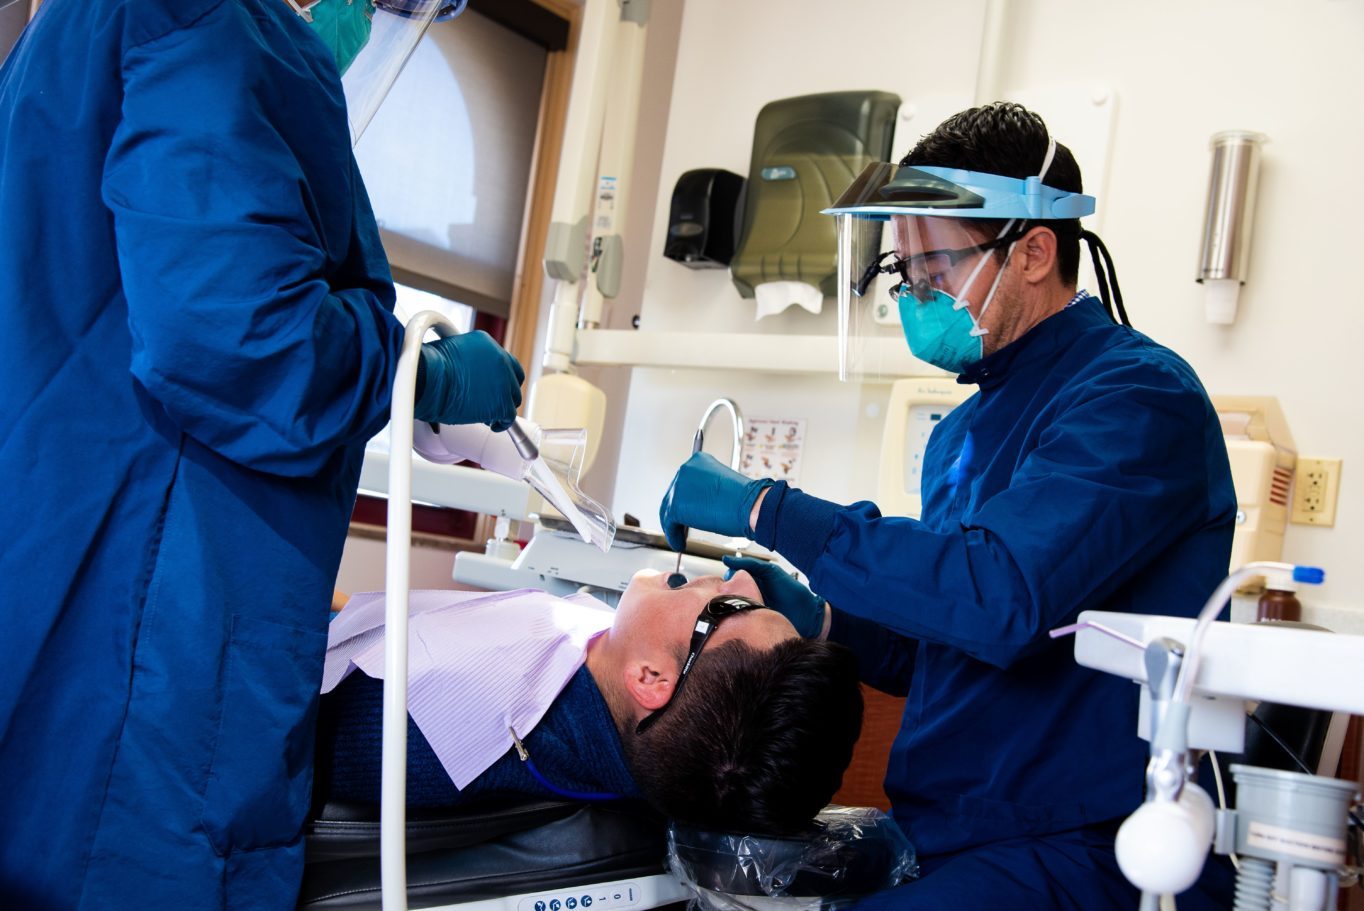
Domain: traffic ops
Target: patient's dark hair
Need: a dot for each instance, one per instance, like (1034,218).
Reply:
(757,740)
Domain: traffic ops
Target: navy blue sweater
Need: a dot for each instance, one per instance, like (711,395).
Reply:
(575,746)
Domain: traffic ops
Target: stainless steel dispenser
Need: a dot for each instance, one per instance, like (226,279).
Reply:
(1227,221)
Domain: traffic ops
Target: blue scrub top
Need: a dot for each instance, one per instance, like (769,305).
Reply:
(196,340)
(1088,472)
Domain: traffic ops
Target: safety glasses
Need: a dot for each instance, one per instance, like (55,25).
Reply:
(919,271)
(717,609)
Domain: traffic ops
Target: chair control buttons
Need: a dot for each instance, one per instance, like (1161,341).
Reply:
(605,897)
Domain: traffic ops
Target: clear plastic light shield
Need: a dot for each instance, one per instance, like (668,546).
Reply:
(589,518)
(554,475)
(395,28)
(868,320)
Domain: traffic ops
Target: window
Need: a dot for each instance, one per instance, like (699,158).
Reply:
(447,160)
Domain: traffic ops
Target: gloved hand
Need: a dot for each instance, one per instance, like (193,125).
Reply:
(468,379)
(783,593)
(710,496)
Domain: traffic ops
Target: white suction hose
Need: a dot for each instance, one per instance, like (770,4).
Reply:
(393,790)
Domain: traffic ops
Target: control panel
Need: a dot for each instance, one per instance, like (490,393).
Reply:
(584,898)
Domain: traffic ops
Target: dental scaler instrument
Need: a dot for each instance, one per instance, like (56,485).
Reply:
(676,579)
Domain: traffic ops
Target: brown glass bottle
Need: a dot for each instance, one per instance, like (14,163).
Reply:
(1279,601)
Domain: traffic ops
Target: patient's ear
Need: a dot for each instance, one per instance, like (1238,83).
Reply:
(650,685)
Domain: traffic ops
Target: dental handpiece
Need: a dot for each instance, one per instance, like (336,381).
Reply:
(677,580)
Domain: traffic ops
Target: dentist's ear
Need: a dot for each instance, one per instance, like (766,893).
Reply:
(649,686)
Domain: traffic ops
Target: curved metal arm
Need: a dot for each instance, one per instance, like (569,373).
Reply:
(737,421)
(393,788)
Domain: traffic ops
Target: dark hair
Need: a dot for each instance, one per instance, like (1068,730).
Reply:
(1007,139)
(757,741)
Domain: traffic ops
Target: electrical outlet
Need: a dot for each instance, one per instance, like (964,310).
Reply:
(1316,482)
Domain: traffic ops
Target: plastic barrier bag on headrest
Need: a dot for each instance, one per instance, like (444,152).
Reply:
(847,854)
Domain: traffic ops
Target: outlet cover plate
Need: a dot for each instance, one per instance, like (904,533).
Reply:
(1316,484)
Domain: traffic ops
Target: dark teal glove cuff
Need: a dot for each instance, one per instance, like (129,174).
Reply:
(710,496)
(784,594)
(468,379)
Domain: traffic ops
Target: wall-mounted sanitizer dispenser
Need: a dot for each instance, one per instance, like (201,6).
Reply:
(701,221)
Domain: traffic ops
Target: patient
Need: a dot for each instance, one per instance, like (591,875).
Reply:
(757,739)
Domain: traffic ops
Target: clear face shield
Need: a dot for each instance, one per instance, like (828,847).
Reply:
(911,226)
(371,40)
(869,335)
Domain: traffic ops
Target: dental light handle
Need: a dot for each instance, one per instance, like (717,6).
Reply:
(523,443)
(397,583)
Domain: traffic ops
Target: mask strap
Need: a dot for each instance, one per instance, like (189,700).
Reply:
(1047,159)
(978,330)
(962,300)
(304,10)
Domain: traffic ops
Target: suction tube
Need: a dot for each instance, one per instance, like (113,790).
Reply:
(393,787)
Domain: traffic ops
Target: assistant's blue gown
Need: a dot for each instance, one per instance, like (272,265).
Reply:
(1088,472)
(195,342)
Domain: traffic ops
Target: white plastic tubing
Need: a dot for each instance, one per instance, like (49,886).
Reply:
(393,789)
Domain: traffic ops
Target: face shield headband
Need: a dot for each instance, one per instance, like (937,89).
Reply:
(884,189)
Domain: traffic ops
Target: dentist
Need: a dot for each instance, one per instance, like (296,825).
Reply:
(1087,472)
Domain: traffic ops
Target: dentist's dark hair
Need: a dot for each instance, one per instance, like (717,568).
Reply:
(757,741)
(1007,139)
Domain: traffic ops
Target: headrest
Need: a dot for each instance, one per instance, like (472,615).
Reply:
(847,853)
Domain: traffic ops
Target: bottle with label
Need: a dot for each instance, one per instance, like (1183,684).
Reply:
(1279,601)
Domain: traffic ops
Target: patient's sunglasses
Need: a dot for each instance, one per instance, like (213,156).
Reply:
(718,609)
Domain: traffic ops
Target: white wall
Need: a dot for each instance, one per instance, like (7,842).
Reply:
(1179,72)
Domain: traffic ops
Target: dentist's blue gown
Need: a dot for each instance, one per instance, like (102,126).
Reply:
(195,342)
(1088,472)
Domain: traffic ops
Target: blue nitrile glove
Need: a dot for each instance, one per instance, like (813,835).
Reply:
(468,379)
(712,497)
(783,593)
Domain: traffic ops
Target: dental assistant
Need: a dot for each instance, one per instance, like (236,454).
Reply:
(1087,472)
(196,340)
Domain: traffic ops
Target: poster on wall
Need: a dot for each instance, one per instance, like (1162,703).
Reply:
(772,448)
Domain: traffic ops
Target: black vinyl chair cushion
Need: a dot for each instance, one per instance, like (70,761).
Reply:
(490,851)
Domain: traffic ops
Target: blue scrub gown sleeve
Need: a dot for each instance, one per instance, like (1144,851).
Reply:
(1121,472)
(259,299)
(885,659)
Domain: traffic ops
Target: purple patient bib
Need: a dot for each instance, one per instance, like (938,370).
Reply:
(478,663)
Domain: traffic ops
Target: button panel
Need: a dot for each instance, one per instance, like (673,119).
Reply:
(595,898)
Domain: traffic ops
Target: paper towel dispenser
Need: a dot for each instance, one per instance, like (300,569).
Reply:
(806,150)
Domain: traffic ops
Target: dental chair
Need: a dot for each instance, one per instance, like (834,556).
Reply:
(532,854)
(551,855)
